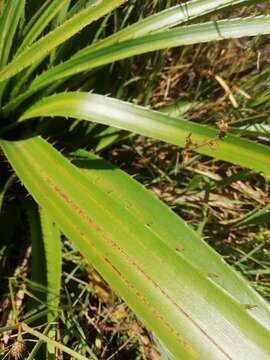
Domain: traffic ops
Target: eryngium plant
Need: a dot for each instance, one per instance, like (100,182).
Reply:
(178,286)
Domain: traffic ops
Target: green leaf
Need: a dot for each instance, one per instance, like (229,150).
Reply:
(256,217)
(38,265)
(4,188)
(53,254)
(109,136)
(165,19)
(40,21)
(187,310)
(10,16)
(184,35)
(58,20)
(56,37)
(46,255)
(46,262)
(79,5)
(155,124)
(169,227)
(52,343)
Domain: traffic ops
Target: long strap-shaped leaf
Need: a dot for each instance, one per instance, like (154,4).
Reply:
(36,27)
(192,34)
(46,263)
(185,35)
(165,19)
(46,255)
(9,21)
(53,255)
(38,275)
(32,31)
(43,46)
(194,317)
(155,124)
(168,227)
(10,17)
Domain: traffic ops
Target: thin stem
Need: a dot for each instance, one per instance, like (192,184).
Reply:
(53,343)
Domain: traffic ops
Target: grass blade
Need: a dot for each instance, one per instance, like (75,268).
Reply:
(256,217)
(53,343)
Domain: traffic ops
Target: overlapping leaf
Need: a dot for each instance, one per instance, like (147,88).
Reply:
(108,111)
(192,315)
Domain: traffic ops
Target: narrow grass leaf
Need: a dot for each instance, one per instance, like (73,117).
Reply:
(257,217)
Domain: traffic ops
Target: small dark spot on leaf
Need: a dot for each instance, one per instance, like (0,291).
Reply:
(212,275)
(128,205)
(149,224)
(250,306)
(179,248)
